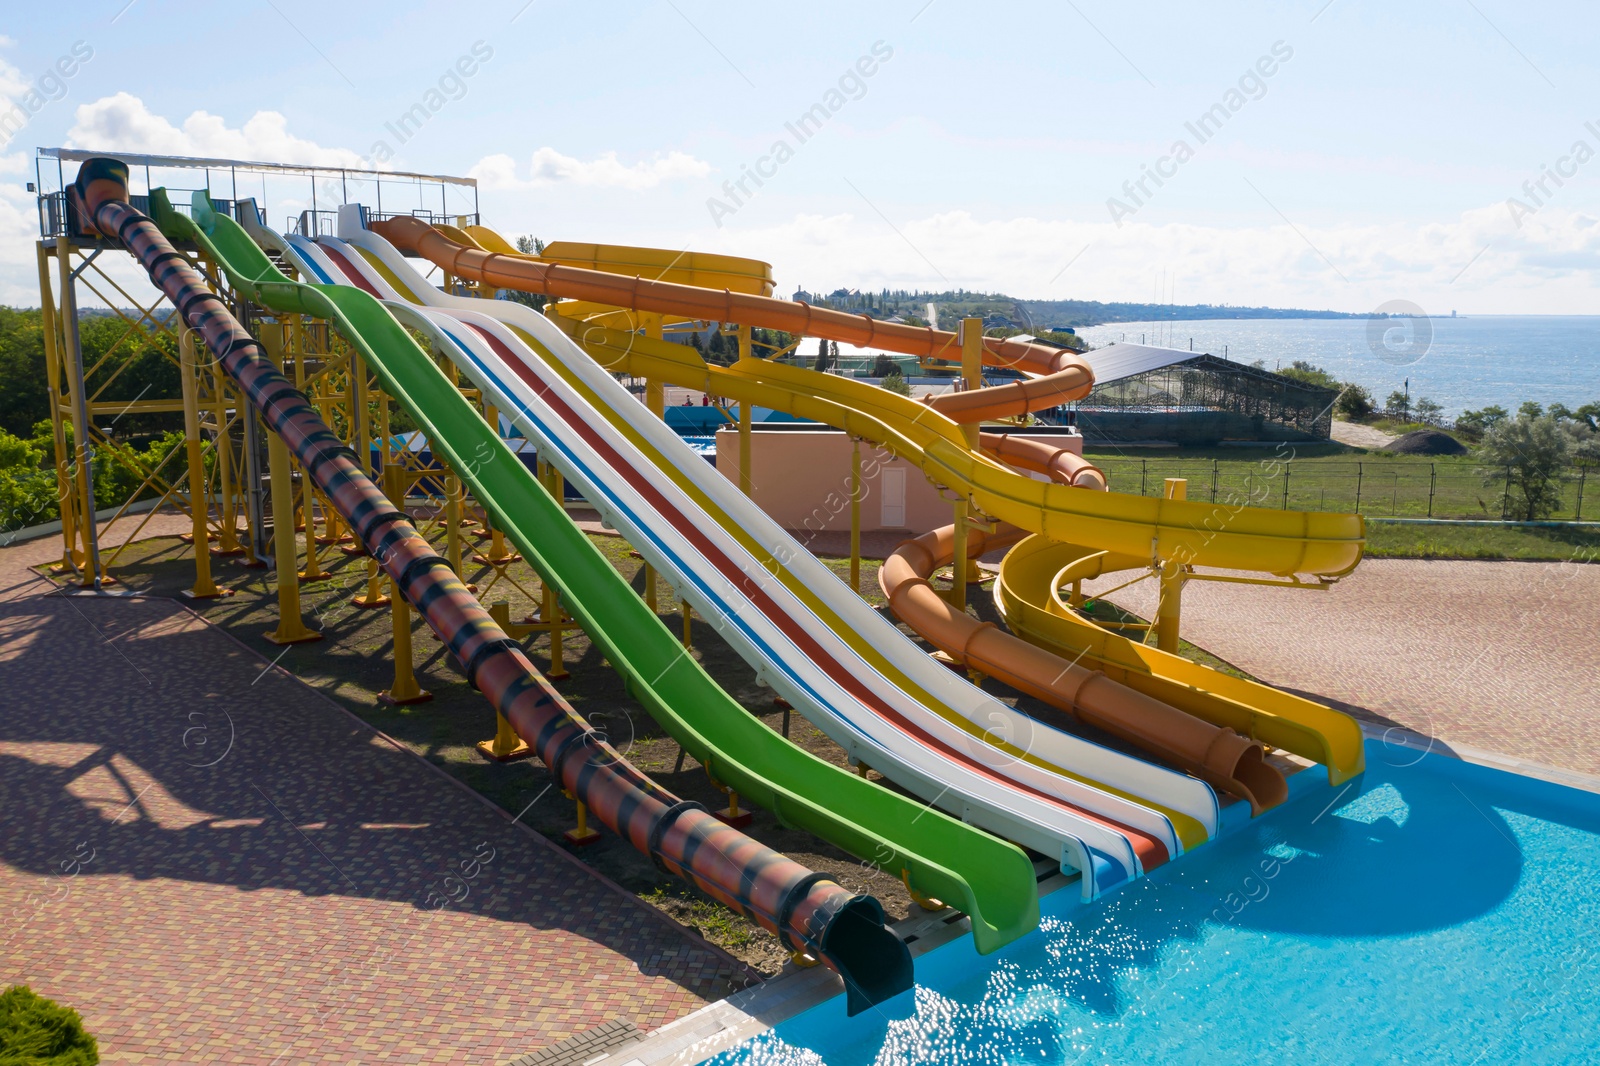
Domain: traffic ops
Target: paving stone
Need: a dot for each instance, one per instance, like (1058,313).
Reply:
(213,863)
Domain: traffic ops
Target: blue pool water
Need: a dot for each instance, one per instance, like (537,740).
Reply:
(1431,912)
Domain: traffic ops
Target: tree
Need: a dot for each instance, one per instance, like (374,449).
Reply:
(1475,424)
(1529,409)
(1429,413)
(883,366)
(1355,403)
(527,245)
(1302,371)
(895,383)
(1397,406)
(1526,455)
(825,361)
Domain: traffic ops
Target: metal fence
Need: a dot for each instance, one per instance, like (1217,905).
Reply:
(1379,489)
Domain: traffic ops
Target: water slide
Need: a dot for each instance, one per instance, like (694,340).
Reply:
(1218,535)
(842,637)
(806,910)
(990,879)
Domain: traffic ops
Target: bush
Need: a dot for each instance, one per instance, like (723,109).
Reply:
(896,383)
(1526,455)
(37,1032)
(1354,403)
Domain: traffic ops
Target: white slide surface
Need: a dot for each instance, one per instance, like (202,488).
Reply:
(885,726)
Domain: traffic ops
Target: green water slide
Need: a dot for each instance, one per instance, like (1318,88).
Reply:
(991,880)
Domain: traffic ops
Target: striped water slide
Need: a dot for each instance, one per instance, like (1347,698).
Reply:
(382,271)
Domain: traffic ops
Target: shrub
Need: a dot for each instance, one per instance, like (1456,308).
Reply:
(1354,403)
(37,1032)
(896,383)
(1526,454)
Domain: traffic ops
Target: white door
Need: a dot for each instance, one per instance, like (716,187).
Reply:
(893,483)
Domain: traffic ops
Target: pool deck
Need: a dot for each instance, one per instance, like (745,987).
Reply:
(212,862)
(1498,656)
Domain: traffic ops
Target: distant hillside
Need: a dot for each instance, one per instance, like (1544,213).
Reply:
(1077,313)
(1000,310)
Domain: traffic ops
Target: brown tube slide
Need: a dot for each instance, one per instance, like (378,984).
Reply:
(1219,756)
(1059,464)
(1061,375)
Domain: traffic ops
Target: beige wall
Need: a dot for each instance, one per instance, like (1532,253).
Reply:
(802,479)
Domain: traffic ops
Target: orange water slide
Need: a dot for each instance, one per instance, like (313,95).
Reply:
(1217,755)
(1059,375)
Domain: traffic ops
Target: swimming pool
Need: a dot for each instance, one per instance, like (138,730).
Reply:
(1433,911)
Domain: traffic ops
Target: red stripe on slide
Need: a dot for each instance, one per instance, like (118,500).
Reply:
(1151,851)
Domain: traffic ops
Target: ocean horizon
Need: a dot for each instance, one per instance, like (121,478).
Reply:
(1463,363)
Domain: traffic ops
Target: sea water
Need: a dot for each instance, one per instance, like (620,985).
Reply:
(1459,363)
(1432,912)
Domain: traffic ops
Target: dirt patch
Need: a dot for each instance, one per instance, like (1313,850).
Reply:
(1359,436)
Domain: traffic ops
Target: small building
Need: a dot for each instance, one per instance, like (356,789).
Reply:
(1146,393)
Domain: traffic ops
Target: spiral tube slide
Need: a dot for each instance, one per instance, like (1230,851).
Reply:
(1060,375)
(803,908)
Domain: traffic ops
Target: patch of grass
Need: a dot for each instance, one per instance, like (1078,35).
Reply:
(1386,540)
(35,1031)
(715,922)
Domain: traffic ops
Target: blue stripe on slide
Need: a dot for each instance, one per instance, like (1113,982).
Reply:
(1101,877)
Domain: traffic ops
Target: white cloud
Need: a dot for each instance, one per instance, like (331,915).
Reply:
(550,167)
(12,81)
(122,123)
(1548,265)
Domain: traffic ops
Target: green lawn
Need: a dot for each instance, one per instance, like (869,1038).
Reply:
(1390,540)
(1329,477)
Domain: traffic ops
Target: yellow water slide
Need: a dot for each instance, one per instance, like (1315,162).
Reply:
(1081,534)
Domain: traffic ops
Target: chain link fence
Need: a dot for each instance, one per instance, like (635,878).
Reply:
(1378,489)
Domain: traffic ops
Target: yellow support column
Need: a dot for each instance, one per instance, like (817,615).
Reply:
(582,835)
(228,537)
(1169,608)
(291,627)
(855,516)
(70,558)
(204,588)
(971,369)
(308,495)
(405,688)
(90,572)
(958,566)
(506,745)
(746,484)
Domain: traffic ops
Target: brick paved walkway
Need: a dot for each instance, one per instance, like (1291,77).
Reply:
(1503,656)
(214,864)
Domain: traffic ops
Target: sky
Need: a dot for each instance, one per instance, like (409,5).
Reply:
(1339,154)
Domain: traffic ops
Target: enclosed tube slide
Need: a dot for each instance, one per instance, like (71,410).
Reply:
(803,908)
(1060,375)
(1216,755)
